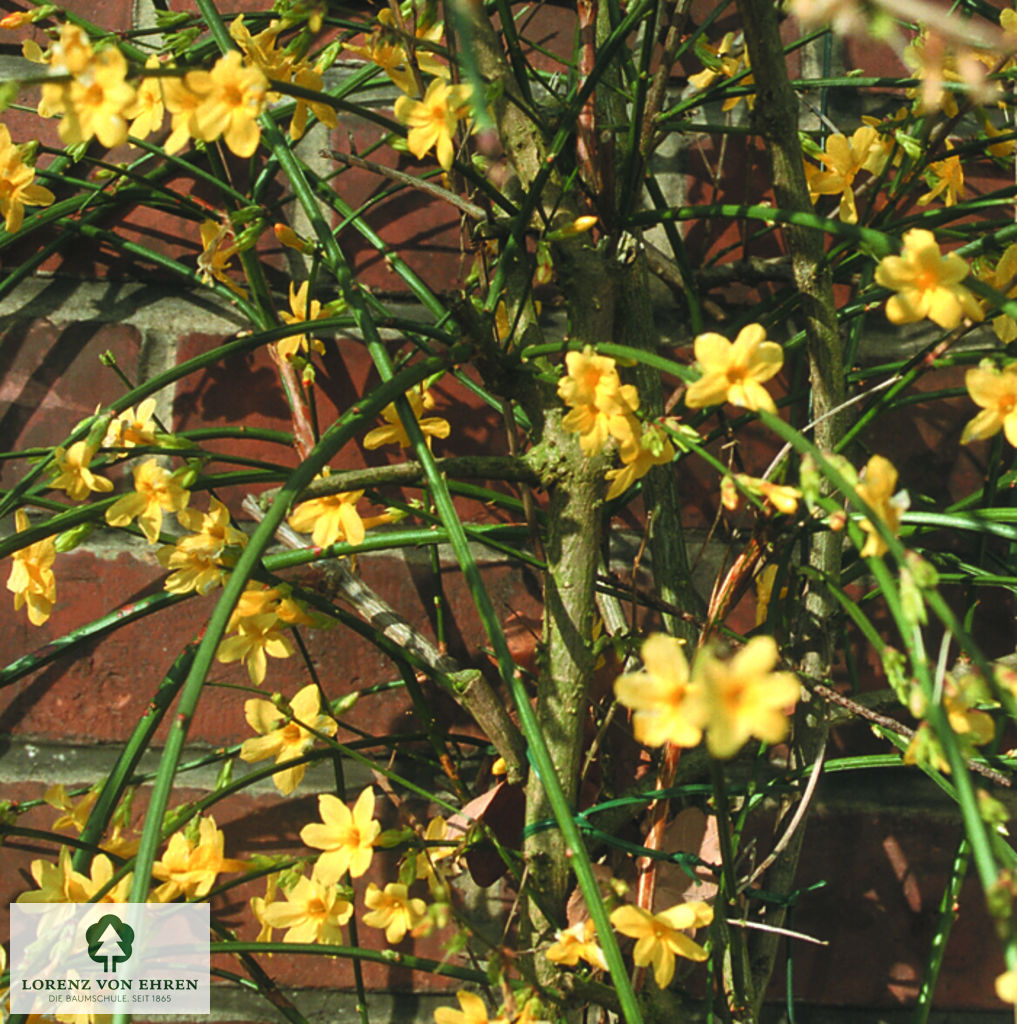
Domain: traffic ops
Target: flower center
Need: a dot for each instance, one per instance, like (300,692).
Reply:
(233,96)
(926,280)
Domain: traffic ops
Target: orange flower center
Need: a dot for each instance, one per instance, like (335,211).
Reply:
(233,96)
(291,733)
(94,96)
(926,280)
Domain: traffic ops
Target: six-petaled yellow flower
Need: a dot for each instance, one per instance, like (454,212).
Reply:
(927,283)
(395,433)
(16,184)
(432,121)
(346,837)
(258,638)
(313,911)
(842,161)
(743,697)
(232,96)
(132,428)
(946,176)
(600,406)
(996,392)
(156,490)
(218,247)
(385,49)
(31,580)
(286,738)
(330,519)
(197,561)
(579,942)
(876,487)
(735,371)
(645,448)
(660,937)
(665,705)
(301,311)
(189,868)
(729,59)
(73,474)
(393,909)
(96,102)
(147,111)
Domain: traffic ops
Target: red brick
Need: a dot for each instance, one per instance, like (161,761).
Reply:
(53,379)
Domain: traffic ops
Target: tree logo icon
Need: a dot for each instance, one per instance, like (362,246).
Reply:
(110,942)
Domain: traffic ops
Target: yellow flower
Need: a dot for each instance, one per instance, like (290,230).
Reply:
(53,880)
(385,48)
(393,909)
(330,519)
(433,851)
(132,428)
(155,490)
(731,60)
(947,176)
(764,592)
(232,97)
(82,888)
(148,110)
(260,49)
(577,943)
(783,497)
(734,372)
(473,1012)
(31,580)
(394,433)
(1003,277)
(259,637)
(182,103)
(1006,986)
(16,188)
(600,406)
(313,912)
(744,697)
(300,312)
(279,65)
(197,560)
(258,906)
(190,869)
(75,814)
(211,531)
(662,696)
(843,160)
(927,283)
(189,570)
(285,738)
(432,120)
(876,488)
(659,937)
(261,600)
(347,837)
(73,474)
(996,392)
(647,447)
(96,102)
(218,247)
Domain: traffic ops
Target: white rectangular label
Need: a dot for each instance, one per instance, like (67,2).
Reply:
(109,957)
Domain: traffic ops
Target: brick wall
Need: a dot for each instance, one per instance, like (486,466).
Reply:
(882,872)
